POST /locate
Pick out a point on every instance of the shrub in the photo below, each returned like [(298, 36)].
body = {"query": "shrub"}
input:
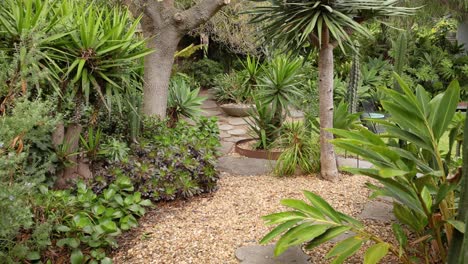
[(415, 177), (77, 224), (300, 150), (204, 71), (183, 101), (170, 162)]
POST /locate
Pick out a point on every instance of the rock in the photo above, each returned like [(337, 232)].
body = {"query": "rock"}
[(245, 166), (209, 104), (226, 147), (234, 139), (237, 132), (264, 255), (209, 113), (237, 121), (225, 127), (378, 210), (224, 135)]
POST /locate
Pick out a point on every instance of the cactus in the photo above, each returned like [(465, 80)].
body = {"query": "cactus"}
[(400, 48), (354, 78)]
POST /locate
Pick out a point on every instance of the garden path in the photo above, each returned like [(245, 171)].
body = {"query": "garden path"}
[(225, 226)]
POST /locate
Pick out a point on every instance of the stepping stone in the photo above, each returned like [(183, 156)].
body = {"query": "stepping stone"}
[(264, 255), (237, 121), (237, 132), (225, 127), (224, 135), (209, 104), (226, 147), (296, 113), (234, 139), (377, 210), (245, 166), (209, 113)]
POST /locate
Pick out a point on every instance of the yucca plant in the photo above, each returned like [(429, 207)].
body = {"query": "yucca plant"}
[(251, 71), (183, 101), (102, 52), (261, 125), (280, 85), (322, 24), (416, 179)]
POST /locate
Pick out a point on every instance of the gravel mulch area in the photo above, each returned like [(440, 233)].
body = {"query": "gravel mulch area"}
[(209, 228)]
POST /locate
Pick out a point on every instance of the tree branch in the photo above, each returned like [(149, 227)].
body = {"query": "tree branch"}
[(198, 14)]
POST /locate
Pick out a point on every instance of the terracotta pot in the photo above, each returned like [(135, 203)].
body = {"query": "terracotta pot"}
[(255, 153), (237, 110)]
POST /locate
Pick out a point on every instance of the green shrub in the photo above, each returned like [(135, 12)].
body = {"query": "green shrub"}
[(415, 177), (204, 71), (78, 224), (170, 162), (300, 150)]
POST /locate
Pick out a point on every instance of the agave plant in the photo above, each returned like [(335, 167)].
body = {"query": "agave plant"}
[(183, 101)]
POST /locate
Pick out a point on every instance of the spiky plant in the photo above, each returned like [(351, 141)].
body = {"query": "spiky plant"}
[(353, 85)]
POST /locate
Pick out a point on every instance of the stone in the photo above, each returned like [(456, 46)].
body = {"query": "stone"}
[(224, 135), (209, 104), (378, 210), (226, 147), (209, 113), (245, 166), (352, 162), (237, 121), (234, 139), (225, 127), (264, 255), (237, 132)]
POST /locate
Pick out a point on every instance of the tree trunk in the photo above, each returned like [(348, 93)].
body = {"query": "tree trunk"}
[(76, 168), (328, 166), (158, 68)]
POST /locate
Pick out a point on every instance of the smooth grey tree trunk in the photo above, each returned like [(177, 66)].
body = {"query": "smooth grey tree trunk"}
[(164, 25), (328, 168), (158, 67)]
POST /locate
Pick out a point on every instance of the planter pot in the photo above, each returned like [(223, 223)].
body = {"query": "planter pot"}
[(237, 110), (255, 153), (462, 106)]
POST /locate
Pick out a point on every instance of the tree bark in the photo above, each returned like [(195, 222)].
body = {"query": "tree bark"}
[(328, 169), (158, 68), (166, 25)]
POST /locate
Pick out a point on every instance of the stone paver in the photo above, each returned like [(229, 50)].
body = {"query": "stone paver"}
[(236, 121), (378, 210), (211, 112), (234, 139), (264, 255), (226, 147), (209, 104), (225, 127), (224, 135), (245, 166), (237, 132)]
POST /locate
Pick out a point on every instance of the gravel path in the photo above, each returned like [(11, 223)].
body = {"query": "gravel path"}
[(209, 228)]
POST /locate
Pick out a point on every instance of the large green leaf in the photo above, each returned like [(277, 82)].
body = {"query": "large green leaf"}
[(323, 206), (444, 110), (298, 235), (375, 253), (345, 249)]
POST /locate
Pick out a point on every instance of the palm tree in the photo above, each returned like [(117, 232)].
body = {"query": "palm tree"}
[(325, 24)]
